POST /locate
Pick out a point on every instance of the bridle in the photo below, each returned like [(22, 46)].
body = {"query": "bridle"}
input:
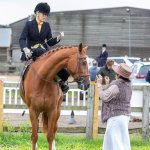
[(78, 74)]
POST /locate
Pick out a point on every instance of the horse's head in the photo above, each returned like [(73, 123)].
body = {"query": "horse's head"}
[(78, 67)]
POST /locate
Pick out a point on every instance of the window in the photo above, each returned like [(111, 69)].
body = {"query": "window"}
[(144, 70), (133, 60), (134, 70), (119, 61)]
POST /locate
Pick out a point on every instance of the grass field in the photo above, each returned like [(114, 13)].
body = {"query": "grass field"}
[(21, 141)]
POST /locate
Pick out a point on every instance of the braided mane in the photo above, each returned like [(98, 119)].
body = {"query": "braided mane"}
[(52, 51)]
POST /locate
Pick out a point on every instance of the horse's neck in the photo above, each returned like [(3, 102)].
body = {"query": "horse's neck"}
[(54, 63)]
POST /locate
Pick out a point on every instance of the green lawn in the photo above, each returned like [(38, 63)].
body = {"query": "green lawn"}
[(21, 141)]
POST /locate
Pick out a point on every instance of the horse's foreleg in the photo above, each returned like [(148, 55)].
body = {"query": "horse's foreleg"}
[(34, 123), (52, 119)]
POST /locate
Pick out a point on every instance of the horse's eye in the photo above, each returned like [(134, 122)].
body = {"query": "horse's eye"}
[(84, 62)]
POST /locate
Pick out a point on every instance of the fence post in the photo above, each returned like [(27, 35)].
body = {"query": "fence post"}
[(145, 113), (1, 105), (92, 112)]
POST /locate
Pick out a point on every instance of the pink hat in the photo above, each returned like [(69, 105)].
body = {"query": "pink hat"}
[(122, 69)]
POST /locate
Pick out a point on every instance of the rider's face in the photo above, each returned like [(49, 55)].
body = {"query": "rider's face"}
[(41, 16)]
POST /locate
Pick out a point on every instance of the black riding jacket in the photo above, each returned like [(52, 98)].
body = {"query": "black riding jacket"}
[(31, 35)]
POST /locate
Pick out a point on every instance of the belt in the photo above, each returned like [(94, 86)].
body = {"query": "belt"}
[(38, 46)]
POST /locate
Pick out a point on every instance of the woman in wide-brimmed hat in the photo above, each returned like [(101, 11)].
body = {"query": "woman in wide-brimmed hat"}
[(116, 99)]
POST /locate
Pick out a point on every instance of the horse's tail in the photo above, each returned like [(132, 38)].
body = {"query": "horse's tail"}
[(45, 122)]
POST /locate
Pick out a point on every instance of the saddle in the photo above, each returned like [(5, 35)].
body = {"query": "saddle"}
[(23, 74)]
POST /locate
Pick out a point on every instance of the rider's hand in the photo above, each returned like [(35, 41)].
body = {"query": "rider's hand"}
[(27, 52), (60, 36)]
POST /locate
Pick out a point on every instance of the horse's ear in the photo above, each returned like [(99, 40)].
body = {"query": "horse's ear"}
[(80, 47), (86, 47)]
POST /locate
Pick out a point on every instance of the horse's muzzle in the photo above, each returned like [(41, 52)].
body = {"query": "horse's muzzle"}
[(83, 87)]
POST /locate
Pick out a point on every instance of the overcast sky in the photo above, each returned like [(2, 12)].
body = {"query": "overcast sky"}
[(14, 10)]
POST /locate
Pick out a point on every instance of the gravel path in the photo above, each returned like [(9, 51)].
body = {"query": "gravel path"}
[(64, 121)]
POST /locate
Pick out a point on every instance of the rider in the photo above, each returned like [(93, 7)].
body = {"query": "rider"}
[(37, 36)]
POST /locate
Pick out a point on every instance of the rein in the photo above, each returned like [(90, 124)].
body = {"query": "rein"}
[(41, 78)]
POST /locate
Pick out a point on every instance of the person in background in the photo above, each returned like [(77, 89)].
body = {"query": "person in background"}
[(93, 70), (36, 38), (101, 59), (148, 76), (116, 98), (107, 71)]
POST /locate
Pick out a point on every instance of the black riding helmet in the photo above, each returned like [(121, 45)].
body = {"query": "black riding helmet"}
[(43, 8)]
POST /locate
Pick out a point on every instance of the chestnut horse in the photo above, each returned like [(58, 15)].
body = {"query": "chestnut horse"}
[(42, 93)]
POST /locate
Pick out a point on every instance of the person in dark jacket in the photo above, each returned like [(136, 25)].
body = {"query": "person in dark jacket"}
[(148, 76), (101, 59), (36, 37), (107, 71)]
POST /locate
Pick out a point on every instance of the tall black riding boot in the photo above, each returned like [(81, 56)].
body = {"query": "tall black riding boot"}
[(64, 87)]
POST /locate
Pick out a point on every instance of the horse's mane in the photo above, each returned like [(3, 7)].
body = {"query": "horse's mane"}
[(52, 51)]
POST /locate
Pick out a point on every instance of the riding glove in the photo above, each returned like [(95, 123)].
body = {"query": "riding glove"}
[(28, 53), (60, 36)]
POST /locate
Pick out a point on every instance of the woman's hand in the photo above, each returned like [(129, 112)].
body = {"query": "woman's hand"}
[(107, 80), (99, 79)]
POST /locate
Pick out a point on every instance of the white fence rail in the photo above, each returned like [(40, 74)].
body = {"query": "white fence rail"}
[(74, 97), (12, 96)]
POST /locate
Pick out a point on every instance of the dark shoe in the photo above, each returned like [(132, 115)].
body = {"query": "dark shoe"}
[(63, 86)]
